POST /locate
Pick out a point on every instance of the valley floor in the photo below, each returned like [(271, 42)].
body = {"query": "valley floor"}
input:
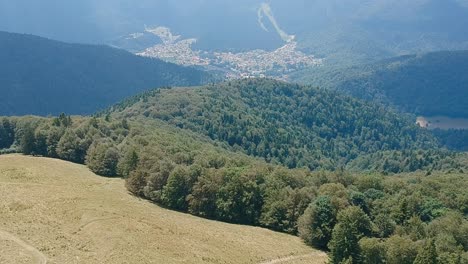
[(52, 211)]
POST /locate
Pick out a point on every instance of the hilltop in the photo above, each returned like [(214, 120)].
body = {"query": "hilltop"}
[(294, 125)]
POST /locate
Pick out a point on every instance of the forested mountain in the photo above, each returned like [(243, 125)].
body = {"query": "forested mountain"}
[(41, 76), (298, 126), (356, 178), (431, 84)]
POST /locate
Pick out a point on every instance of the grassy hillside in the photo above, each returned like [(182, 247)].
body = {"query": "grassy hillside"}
[(42, 77), (297, 126), (61, 212), (431, 84)]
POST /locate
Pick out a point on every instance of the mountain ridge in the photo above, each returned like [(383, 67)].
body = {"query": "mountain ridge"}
[(42, 76), (427, 84)]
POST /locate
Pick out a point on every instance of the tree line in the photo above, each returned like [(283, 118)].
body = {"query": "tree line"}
[(358, 217)]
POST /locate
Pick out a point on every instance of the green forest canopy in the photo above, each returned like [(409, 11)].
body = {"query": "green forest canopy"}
[(297, 126)]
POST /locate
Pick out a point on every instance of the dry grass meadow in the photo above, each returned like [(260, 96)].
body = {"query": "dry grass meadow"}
[(52, 211)]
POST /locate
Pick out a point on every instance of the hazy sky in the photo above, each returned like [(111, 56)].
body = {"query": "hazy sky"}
[(221, 23)]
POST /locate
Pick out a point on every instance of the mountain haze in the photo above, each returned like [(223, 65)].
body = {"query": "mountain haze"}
[(341, 31), (41, 76), (432, 84)]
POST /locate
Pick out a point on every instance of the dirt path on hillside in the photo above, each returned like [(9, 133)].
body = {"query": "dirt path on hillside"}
[(292, 258), (97, 220), (38, 256)]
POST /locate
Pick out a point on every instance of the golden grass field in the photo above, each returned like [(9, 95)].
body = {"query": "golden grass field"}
[(52, 211)]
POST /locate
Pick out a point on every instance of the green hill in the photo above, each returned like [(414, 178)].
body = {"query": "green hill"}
[(433, 84), (297, 126), (41, 76)]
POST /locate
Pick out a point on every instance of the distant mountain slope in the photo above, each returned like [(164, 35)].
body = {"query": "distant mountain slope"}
[(364, 31), (430, 84), (41, 76), (290, 124)]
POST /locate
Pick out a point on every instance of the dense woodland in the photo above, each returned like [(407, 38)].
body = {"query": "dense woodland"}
[(430, 84), (456, 139), (397, 204), (297, 126), (42, 77)]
